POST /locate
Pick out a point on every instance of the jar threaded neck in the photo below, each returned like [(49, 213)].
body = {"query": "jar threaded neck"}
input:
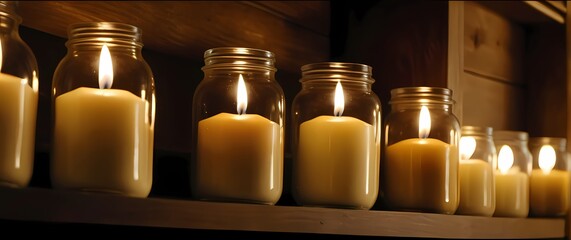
[(239, 58), (421, 96), (334, 71), (98, 33)]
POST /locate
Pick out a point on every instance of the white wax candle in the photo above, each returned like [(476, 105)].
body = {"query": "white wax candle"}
[(422, 175), (477, 189), (103, 141), (17, 130), (337, 163), (549, 193), (239, 158), (512, 193)]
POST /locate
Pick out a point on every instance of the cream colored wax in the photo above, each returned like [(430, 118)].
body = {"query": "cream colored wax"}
[(512, 194), (239, 158), (103, 142), (549, 193), (17, 130), (422, 175), (477, 190), (337, 163)]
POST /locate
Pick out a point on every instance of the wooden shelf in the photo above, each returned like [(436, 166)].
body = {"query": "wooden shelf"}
[(47, 205)]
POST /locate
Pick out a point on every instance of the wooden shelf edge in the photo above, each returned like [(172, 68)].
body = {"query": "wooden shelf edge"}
[(47, 205)]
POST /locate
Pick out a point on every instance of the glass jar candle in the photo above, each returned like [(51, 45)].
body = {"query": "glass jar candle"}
[(549, 179), (336, 137), (512, 174), (477, 159), (238, 126), (19, 100), (421, 157), (103, 112)]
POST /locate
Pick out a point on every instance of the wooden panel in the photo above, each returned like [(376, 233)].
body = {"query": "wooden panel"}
[(189, 28), (405, 43), (526, 12), (313, 15), (493, 46), (492, 103), (546, 78), (69, 207)]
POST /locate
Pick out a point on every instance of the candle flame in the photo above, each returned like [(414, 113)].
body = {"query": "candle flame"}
[(424, 122), (339, 100), (505, 159), (547, 158), (242, 96), (467, 147), (105, 68)]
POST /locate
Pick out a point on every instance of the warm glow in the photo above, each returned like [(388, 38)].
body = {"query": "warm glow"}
[(547, 158), (242, 96), (505, 159), (1, 55), (339, 100), (105, 68), (467, 147), (424, 122)]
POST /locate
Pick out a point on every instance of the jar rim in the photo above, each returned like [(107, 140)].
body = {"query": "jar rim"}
[(476, 130), (238, 51), (511, 135), (10, 9), (421, 95), (98, 32), (343, 71), (538, 141)]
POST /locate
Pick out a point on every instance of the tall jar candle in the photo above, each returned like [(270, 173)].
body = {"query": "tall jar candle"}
[(549, 179), (238, 128), (19, 100), (477, 181), (421, 158), (336, 137), (512, 173), (104, 112)]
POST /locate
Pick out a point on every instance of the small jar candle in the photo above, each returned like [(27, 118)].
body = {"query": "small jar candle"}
[(19, 100), (549, 180), (238, 126), (104, 112), (477, 185), (421, 157), (336, 137), (512, 174)]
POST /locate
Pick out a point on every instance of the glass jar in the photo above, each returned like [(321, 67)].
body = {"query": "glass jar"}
[(19, 98), (336, 137), (103, 99), (512, 174), (477, 159), (238, 126), (549, 179), (421, 158)]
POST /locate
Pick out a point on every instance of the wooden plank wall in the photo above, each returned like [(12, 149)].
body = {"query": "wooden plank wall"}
[(514, 71), (493, 85)]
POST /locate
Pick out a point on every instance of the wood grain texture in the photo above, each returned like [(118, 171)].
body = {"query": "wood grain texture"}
[(493, 46), (188, 28), (313, 15), (406, 43), (456, 56), (519, 11), (70, 207), (493, 103)]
